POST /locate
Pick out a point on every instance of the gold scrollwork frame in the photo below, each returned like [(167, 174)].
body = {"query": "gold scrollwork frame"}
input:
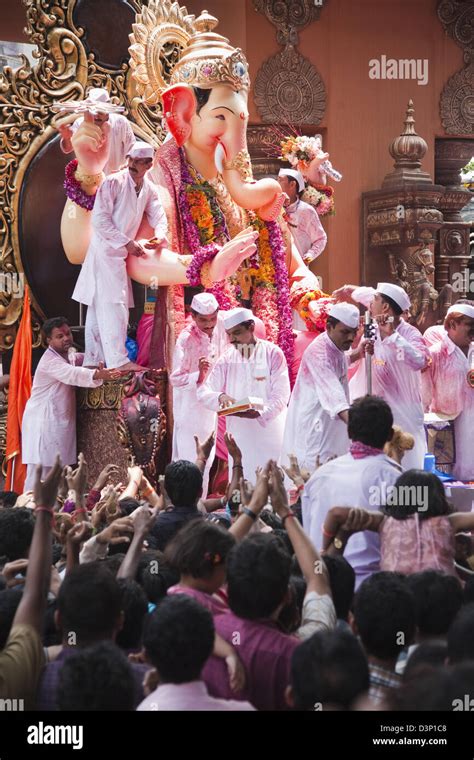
[(64, 71)]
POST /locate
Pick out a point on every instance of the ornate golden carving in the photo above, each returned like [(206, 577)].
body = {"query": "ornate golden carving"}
[(241, 163), (457, 98), (289, 17)]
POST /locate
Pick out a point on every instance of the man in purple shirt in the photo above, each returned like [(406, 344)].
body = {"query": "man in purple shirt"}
[(258, 573)]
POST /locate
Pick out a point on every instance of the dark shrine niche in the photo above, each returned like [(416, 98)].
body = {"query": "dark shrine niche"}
[(106, 25)]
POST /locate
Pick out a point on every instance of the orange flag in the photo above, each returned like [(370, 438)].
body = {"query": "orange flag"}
[(18, 394)]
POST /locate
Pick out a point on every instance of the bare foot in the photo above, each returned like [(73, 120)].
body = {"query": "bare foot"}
[(132, 367)]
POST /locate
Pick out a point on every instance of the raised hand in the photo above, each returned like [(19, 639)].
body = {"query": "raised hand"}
[(91, 145), (298, 476), (77, 479), (203, 450), (232, 447), (278, 495), (12, 569), (78, 533), (45, 492), (117, 532), (105, 476)]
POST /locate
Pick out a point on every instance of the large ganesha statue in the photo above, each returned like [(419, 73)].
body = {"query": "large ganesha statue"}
[(226, 230)]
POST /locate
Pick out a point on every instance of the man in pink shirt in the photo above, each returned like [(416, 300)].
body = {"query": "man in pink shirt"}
[(445, 385), (178, 639)]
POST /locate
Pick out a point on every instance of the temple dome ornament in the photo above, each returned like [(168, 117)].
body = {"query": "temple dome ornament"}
[(408, 150)]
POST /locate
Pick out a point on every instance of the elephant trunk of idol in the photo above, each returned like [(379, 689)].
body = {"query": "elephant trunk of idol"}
[(263, 196)]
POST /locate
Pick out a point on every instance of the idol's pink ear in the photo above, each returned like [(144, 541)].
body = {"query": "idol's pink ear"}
[(179, 106)]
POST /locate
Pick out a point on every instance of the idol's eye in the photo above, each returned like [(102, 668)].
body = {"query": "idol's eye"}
[(220, 116)]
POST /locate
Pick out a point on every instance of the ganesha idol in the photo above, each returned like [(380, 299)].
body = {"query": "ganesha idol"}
[(226, 230)]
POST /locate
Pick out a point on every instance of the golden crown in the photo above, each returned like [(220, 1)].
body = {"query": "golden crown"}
[(170, 46)]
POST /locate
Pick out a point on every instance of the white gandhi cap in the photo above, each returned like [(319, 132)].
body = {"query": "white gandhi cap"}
[(295, 174), (396, 293), (98, 95), (141, 150), (461, 308), (346, 313), (205, 304), (235, 317)]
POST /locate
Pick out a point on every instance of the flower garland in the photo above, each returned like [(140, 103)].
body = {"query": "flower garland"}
[(204, 229), (321, 197), (74, 190), (300, 301)]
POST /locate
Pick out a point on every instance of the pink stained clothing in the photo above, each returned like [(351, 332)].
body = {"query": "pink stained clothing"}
[(144, 333), (185, 697), (264, 375), (446, 391), (303, 339), (212, 603), (121, 139), (116, 218), (191, 417), (434, 335), (396, 377), (49, 420), (412, 545), (313, 427), (307, 231)]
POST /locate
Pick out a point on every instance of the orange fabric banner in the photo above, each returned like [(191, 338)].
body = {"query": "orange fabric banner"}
[(18, 394)]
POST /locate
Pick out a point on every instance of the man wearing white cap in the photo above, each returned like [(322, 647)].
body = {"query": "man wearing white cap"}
[(119, 131), (446, 387), (197, 349), (399, 356), (316, 425), (103, 283), (303, 220), (250, 367)]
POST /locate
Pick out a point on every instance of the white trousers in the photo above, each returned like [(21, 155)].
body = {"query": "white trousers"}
[(31, 476), (106, 333)]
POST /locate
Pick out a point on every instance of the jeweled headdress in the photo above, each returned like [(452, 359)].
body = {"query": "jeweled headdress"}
[(170, 46)]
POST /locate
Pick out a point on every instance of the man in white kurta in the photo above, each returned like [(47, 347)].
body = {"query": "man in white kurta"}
[(103, 283), (197, 349), (446, 389), (400, 355), (316, 423), (49, 419), (250, 367), (303, 220), (360, 478), (120, 134)]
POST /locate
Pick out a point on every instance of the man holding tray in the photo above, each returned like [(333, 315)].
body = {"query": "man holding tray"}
[(253, 375)]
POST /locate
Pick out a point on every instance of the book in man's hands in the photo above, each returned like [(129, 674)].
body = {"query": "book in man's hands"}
[(245, 405)]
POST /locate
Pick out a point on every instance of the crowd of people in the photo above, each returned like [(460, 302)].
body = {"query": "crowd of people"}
[(329, 573)]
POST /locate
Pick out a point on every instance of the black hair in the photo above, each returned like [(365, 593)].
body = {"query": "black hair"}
[(202, 96), (9, 600), (95, 679), (328, 668), (127, 506), (50, 324), (384, 612), (134, 607), (183, 483), (461, 636), (342, 580), (289, 618), (258, 572), (332, 322), (16, 532), (89, 603), (438, 599), (397, 310), (403, 503), (198, 547), (179, 638), (370, 421), (8, 499), (155, 575), (427, 656)]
